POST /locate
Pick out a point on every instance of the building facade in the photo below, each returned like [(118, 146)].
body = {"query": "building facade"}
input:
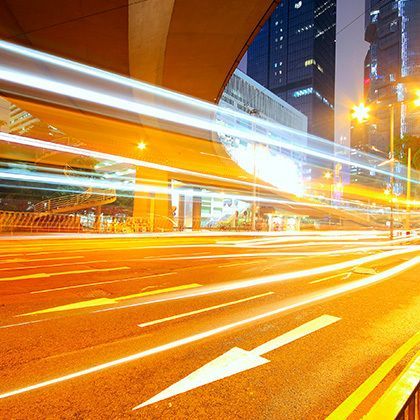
[(392, 69), (244, 94), (285, 169), (294, 57)]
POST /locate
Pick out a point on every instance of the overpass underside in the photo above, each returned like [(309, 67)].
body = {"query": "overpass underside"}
[(176, 158)]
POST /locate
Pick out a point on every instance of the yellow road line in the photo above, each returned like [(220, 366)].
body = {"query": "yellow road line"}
[(356, 398), (28, 267), (63, 273), (106, 301), (396, 396), (328, 278), (238, 264), (78, 286), (18, 260), (199, 311)]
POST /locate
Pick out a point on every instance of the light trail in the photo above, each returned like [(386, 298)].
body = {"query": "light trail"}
[(215, 331), (275, 278), (27, 141), (153, 111), (146, 188)]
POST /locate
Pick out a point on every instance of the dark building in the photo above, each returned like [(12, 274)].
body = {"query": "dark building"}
[(294, 57), (392, 68)]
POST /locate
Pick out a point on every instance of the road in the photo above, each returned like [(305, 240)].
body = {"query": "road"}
[(264, 327)]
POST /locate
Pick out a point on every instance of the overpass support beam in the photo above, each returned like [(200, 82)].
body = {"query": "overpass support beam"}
[(153, 199), (196, 213)]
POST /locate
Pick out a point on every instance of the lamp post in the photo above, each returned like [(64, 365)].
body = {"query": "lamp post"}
[(408, 196), (392, 167), (361, 113), (254, 190)]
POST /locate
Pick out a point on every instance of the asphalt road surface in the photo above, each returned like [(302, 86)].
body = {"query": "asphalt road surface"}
[(222, 326)]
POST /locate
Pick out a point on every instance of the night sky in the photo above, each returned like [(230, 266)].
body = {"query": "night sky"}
[(351, 51)]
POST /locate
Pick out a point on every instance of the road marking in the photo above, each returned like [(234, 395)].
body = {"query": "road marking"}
[(23, 323), (276, 278), (63, 273), (77, 286), (237, 264), (199, 311), (209, 333), (237, 360), (107, 301), (168, 256), (17, 260), (356, 398), (364, 270), (397, 395), (411, 248), (53, 265), (347, 275)]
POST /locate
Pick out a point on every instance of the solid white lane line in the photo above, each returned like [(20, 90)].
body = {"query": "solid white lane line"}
[(22, 260), (63, 273), (199, 311), (102, 282), (209, 333), (238, 264), (54, 265)]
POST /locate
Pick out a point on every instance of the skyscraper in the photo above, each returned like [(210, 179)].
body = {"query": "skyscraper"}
[(294, 57), (392, 68)]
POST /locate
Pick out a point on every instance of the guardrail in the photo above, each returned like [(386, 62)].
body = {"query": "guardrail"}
[(13, 222), (39, 222), (401, 400)]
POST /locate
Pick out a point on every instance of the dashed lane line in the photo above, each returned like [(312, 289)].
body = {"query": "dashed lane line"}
[(209, 333), (199, 311), (63, 273), (77, 286)]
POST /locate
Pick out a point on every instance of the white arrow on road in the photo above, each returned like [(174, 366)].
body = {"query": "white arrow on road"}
[(237, 360)]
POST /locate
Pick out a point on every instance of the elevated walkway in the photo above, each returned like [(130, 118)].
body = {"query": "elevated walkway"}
[(74, 202)]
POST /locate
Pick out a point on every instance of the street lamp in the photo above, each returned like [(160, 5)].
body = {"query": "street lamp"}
[(417, 100), (141, 145), (361, 112)]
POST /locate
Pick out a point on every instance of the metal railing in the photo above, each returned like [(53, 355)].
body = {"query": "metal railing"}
[(13, 222), (66, 203), (401, 401)]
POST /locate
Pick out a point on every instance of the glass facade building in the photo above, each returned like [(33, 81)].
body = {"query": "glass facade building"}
[(392, 68), (282, 168), (294, 57)]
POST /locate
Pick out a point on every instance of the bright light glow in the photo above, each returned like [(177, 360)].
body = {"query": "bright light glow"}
[(417, 100), (327, 175), (141, 145), (361, 113)]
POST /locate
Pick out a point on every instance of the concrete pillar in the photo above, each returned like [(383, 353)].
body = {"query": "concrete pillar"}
[(181, 212), (98, 212), (155, 207), (196, 213)]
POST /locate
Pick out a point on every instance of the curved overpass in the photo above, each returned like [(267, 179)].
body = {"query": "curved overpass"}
[(184, 45)]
